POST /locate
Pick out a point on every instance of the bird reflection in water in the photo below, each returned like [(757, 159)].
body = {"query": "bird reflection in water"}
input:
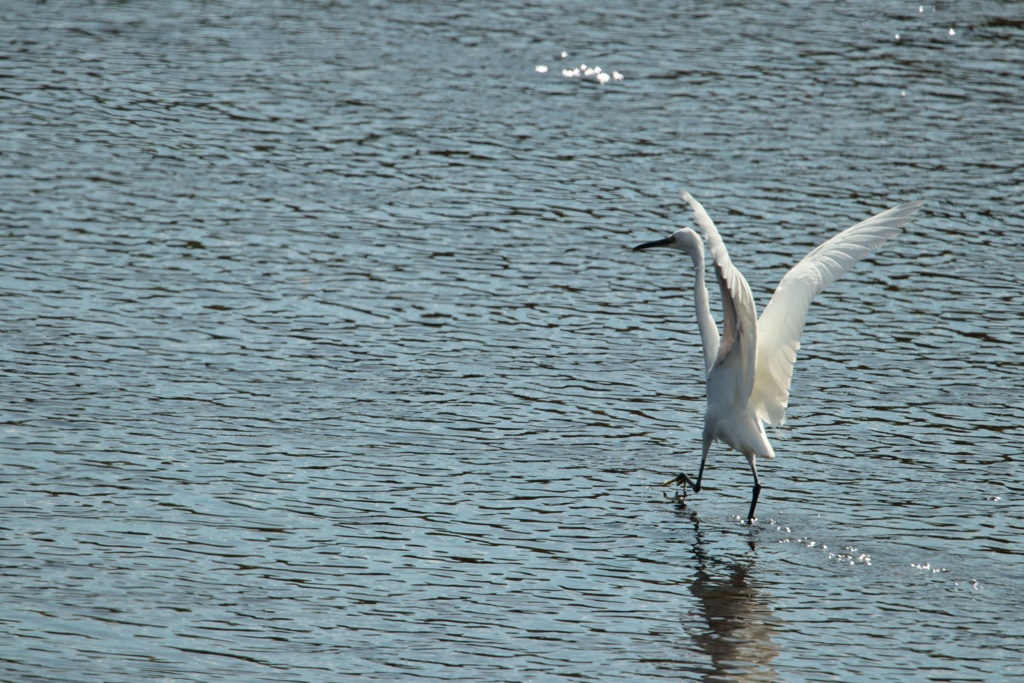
[(731, 623)]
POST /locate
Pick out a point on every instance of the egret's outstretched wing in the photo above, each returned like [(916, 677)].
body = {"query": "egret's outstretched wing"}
[(782, 321), (734, 366)]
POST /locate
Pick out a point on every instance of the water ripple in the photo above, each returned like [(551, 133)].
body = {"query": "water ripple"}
[(326, 356)]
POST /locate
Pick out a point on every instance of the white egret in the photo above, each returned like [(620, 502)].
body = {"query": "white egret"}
[(750, 368)]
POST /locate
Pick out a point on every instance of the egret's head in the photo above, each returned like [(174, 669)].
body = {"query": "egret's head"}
[(684, 240)]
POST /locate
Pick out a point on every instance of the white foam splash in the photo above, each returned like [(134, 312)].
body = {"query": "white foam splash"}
[(584, 71)]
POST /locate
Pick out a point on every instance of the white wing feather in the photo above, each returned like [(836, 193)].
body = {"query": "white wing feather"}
[(737, 352), (782, 321)]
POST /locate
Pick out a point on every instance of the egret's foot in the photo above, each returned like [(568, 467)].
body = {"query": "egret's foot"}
[(682, 479), (678, 498)]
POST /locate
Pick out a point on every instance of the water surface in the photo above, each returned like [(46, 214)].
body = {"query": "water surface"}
[(325, 355)]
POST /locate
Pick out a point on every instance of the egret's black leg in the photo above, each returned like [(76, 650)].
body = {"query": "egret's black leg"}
[(681, 478), (757, 491), (703, 458)]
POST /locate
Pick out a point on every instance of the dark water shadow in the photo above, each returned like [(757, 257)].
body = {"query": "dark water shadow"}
[(733, 621)]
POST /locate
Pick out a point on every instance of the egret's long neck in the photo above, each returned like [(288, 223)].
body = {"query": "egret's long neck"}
[(708, 329)]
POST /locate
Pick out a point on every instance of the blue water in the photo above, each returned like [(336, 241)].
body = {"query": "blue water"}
[(325, 355)]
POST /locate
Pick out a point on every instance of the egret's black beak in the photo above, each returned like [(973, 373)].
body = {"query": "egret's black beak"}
[(656, 243)]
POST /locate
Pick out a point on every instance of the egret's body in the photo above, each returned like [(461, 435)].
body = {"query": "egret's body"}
[(750, 365)]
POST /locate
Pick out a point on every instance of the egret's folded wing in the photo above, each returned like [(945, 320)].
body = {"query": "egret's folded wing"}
[(782, 321), (739, 338)]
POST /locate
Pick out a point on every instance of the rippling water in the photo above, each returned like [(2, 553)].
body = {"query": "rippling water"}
[(325, 356)]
